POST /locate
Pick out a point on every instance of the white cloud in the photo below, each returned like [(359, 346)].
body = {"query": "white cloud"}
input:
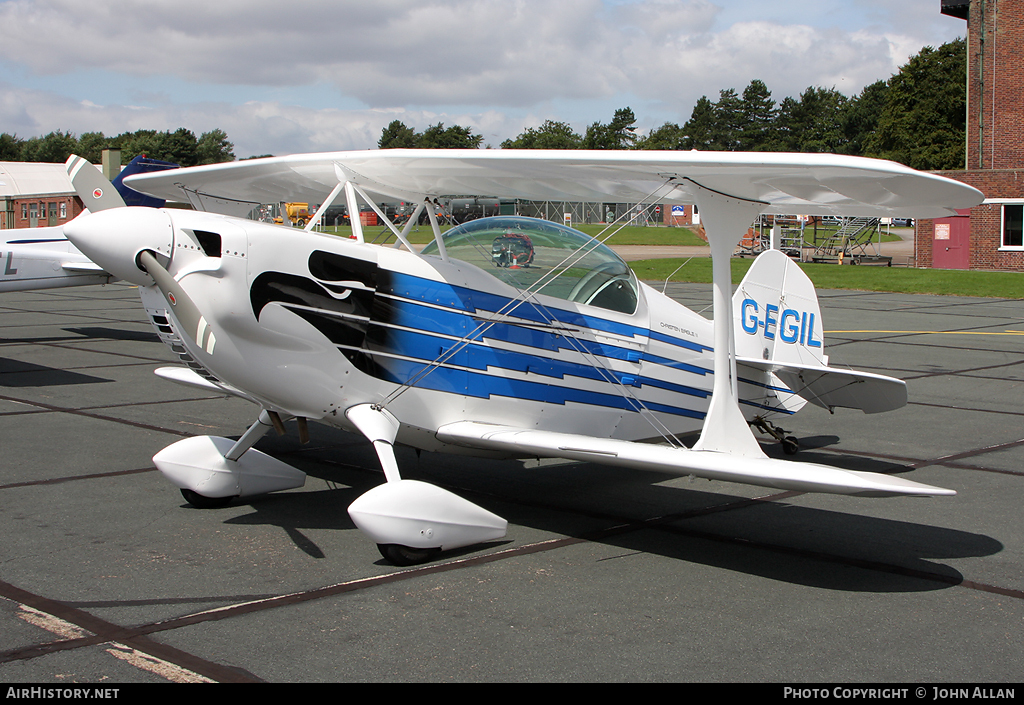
[(381, 52), (256, 127), (274, 79)]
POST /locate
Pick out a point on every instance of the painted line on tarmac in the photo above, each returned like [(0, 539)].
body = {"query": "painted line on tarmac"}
[(66, 631), (98, 632), (926, 332)]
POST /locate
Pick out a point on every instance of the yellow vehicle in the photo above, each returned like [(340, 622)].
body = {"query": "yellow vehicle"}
[(298, 214)]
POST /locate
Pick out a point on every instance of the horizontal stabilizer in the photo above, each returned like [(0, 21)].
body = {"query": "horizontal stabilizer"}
[(87, 267), (764, 472), (829, 387)]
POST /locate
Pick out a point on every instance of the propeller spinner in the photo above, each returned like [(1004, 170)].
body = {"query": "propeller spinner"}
[(114, 238)]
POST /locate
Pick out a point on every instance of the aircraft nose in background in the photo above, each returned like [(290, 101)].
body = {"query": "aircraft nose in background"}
[(114, 238)]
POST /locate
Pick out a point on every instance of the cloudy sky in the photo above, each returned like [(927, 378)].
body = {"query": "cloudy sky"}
[(308, 76)]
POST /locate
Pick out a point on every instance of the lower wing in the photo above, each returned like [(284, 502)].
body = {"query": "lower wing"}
[(765, 472)]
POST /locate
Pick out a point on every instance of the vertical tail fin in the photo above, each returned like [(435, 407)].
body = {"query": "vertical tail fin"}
[(141, 165), (98, 194), (777, 318)]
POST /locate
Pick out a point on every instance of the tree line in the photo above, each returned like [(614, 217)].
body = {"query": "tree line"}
[(398, 135), (917, 118), (181, 146)]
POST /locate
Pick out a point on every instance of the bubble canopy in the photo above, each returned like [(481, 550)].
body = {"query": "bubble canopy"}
[(527, 253)]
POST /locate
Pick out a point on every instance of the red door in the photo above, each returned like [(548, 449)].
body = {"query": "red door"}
[(951, 242)]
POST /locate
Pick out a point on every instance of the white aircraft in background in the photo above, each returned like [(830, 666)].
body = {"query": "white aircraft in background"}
[(506, 336), (42, 258)]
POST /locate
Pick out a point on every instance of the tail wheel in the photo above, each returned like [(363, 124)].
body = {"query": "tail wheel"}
[(790, 445)]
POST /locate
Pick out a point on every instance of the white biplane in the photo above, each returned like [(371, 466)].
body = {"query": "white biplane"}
[(505, 336)]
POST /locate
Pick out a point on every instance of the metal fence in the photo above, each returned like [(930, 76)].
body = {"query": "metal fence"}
[(577, 212)]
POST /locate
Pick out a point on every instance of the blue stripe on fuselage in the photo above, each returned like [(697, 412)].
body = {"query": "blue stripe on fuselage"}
[(421, 319), (473, 301), (485, 386), (423, 346)]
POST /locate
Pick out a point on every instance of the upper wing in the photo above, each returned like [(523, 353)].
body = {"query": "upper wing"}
[(766, 472), (786, 183)]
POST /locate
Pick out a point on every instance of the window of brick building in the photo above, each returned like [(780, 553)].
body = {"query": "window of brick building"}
[(1013, 226)]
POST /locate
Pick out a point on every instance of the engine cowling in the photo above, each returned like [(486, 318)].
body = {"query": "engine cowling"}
[(114, 238)]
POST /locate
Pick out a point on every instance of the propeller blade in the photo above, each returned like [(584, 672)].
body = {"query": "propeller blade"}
[(92, 187), (193, 323)]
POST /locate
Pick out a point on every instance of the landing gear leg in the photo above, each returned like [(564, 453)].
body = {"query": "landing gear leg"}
[(412, 521), (790, 444)]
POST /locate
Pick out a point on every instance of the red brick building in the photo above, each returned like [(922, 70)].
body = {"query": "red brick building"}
[(990, 236), (36, 195)]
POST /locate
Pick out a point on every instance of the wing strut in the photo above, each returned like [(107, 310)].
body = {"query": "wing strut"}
[(412, 220), (352, 194), (725, 220), (319, 215), (436, 229), (400, 234)]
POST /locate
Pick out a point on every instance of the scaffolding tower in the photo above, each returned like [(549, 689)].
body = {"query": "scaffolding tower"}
[(852, 243)]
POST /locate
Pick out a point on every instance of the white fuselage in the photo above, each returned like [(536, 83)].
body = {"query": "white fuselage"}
[(311, 325)]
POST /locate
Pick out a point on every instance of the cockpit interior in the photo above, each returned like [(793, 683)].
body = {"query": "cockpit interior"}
[(545, 258)]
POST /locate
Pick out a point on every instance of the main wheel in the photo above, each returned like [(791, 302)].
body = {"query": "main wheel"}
[(202, 502), (405, 555)]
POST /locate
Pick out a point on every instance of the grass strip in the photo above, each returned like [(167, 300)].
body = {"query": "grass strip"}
[(902, 280)]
